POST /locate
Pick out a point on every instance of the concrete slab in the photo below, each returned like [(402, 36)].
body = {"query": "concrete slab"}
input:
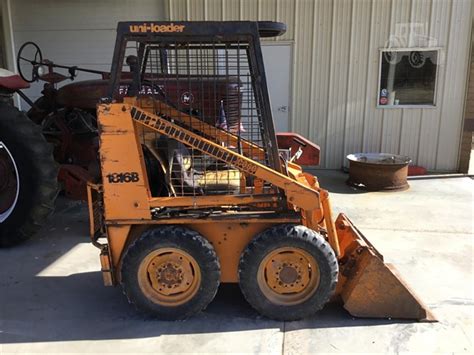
[(52, 299)]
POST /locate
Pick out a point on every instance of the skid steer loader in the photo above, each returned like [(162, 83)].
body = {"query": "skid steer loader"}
[(223, 200)]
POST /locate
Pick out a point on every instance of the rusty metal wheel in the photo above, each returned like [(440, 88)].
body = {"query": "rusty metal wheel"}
[(170, 272), (288, 272), (288, 276), (169, 276)]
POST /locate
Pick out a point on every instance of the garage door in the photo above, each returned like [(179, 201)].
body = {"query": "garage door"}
[(277, 58)]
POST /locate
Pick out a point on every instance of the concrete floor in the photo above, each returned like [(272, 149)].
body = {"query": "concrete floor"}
[(52, 299)]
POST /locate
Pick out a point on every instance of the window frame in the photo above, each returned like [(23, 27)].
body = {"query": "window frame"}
[(409, 49)]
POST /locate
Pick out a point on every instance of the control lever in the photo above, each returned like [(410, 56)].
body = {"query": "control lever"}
[(297, 155)]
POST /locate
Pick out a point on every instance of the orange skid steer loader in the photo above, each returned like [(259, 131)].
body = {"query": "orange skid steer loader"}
[(197, 189)]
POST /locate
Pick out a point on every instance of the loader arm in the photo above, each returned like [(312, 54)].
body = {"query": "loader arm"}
[(297, 193), (249, 149)]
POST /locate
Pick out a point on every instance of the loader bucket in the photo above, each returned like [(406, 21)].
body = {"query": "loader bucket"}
[(369, 287)]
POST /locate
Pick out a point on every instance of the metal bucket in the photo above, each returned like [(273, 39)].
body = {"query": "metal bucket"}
[(368, 286), (378, 171)]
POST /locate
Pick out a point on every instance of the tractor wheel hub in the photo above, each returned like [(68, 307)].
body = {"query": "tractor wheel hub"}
[(170, 275), (288, 275)]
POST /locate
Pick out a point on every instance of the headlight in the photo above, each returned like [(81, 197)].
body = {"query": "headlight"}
[(42, 69)]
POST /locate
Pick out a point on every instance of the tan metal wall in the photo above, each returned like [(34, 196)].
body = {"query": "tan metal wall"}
[(466, 155), (336, 68)]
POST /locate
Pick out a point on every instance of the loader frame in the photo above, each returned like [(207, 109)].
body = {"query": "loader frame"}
[(272, 191)]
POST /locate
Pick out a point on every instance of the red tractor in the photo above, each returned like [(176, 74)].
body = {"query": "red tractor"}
[(53, 143)]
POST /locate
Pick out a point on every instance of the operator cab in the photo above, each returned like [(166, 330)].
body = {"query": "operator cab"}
[(197, 82)]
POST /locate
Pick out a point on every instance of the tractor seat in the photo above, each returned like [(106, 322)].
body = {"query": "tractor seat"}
[(11, 81)]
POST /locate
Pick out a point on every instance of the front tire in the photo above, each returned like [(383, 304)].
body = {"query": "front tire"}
[(29, 172), (170, 272), (288, 272)]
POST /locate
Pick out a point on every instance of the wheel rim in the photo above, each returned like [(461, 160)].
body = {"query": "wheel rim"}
[(169, 276), (9, 183), (288, 276)]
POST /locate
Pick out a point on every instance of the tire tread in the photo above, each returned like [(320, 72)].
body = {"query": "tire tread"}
[(28, 137), (286, 235), (190, 241)]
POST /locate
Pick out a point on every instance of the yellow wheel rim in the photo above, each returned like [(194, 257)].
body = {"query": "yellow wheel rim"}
[(288, 276), (169, 276)]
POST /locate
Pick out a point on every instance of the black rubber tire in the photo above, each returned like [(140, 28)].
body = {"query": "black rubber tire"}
[(37, 171), (176, 237), (288, 235)]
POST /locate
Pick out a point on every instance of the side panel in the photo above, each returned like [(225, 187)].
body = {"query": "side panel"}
[(117, 238), (123, 172), (229, 240)]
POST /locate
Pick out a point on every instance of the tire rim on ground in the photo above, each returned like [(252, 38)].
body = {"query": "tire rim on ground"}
[(9, 183), (288, 276), (169, 276)]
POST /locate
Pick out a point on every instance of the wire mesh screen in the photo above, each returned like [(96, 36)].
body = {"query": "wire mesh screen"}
[(207, 88)]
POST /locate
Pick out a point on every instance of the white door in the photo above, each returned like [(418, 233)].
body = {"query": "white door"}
[(277, 59)]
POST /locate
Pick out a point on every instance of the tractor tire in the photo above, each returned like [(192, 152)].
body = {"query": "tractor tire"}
[(28, 158), (170, 272), (288, 272)]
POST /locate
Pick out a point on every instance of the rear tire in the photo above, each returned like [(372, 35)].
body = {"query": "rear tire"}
[(170, 272), (288, 272), (37, 173)]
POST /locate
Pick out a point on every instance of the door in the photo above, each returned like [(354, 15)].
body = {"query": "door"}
[(277, 60)]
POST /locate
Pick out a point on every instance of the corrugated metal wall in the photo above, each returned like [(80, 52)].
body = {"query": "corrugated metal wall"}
[(336, 70)]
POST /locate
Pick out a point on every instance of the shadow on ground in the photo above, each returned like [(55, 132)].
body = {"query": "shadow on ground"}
[(78, 307), (36, 308)]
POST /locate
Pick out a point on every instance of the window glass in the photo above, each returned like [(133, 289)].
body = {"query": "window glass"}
[(408, 77)]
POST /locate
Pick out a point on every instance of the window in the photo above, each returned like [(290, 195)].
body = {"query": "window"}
[(408, 78)]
